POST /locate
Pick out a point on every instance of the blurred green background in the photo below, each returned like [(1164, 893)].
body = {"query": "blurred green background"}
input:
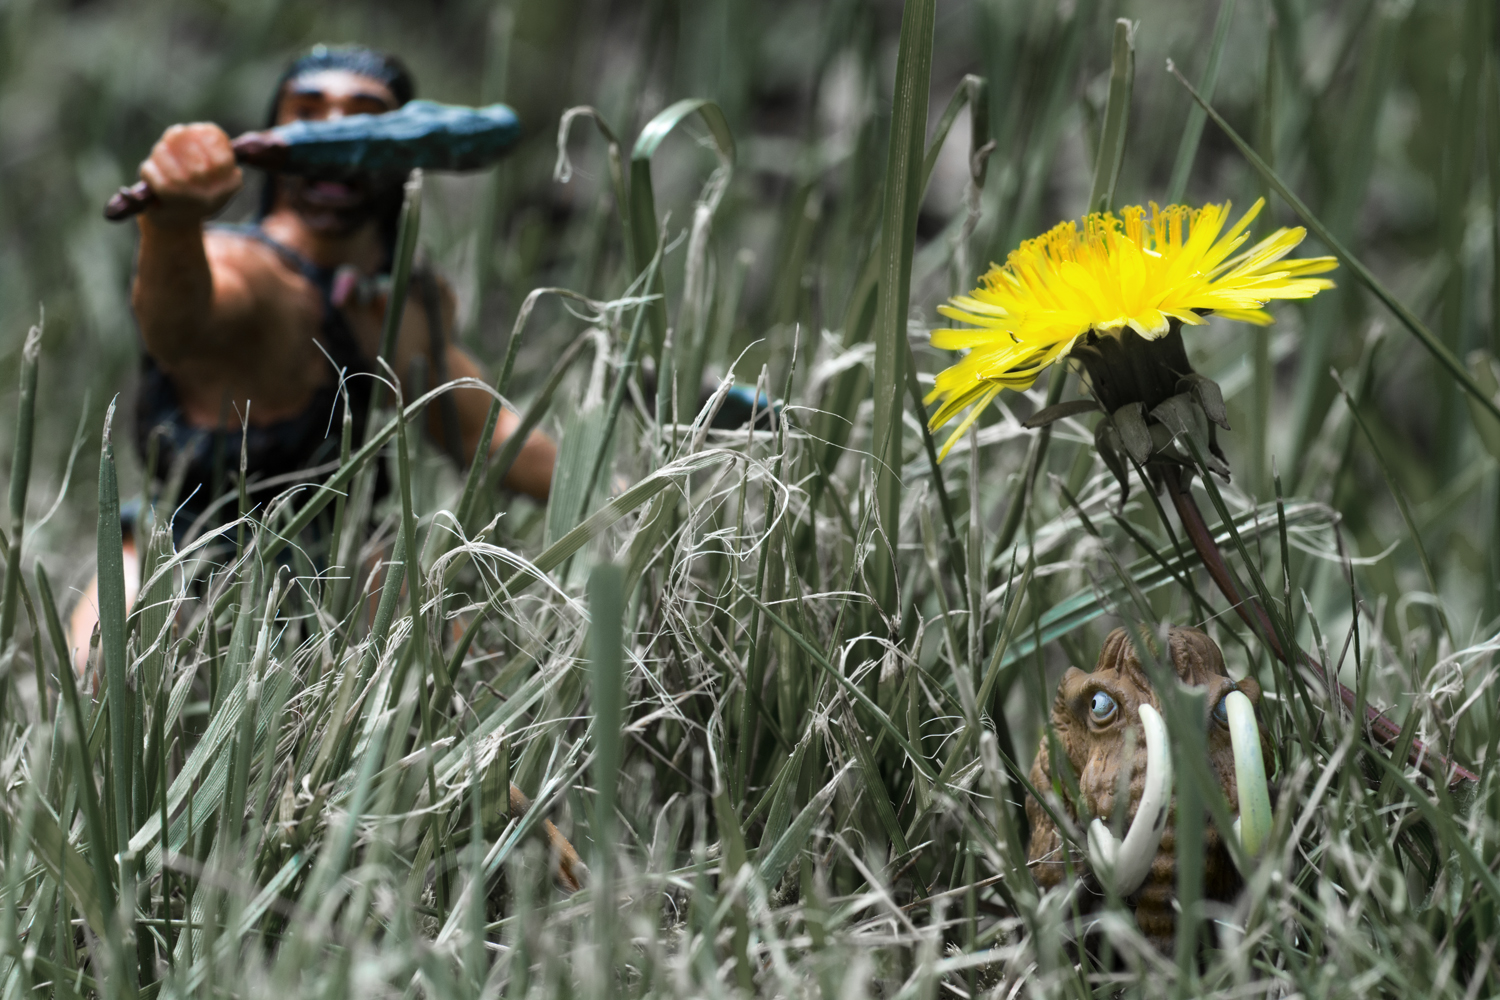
[(1381, 114)]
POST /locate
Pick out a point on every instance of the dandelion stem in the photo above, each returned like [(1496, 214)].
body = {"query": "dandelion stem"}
[(1385, 731)]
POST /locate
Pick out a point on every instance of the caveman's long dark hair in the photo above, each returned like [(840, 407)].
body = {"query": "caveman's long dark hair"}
[(364, 61)]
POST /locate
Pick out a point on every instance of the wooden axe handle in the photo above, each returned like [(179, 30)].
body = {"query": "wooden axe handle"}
[(255, 149)]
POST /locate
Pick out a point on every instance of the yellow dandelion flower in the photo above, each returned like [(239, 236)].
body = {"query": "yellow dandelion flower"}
[(1150, 271)]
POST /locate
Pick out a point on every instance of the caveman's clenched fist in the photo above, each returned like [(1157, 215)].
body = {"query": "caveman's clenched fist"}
[(192, 172)]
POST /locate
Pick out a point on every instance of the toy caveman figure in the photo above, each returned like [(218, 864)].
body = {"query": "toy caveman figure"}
[(255, 322)]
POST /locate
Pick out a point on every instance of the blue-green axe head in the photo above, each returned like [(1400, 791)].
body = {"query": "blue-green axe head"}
[(419, 134)]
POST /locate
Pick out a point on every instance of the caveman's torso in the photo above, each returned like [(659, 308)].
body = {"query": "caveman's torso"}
[(274, 358)]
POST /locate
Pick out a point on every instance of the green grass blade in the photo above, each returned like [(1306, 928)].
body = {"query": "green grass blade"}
[(334, 857), (998, 659), (1036, 457), (54, 622), (791, 843), (415, 584), (268, 897), (778, 799), (956, 556), (207, 750), (974, 93), (63, 862), (580, 447), (1347, 188), (607, 691), (1454, 835), (112, 653), (1487, 374), (1116, 118), (20, 477), (506, 456), (469, 500), (1399, 495), (99, 849), (898, 225), (644, 230), (1187, 150), (874, 785), (606, 443), (408, 227), (340, 506), (563, 171)]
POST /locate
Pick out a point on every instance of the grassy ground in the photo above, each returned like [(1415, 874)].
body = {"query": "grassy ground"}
[(744, 672)]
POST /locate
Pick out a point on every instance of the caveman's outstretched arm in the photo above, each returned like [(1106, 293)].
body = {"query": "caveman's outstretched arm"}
[(184, 303)]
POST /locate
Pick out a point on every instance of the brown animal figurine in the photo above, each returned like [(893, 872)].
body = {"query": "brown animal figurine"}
[(1090, 716)]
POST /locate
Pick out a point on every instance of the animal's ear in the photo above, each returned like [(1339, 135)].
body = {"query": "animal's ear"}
[(1114, 652), (1251, 689), (1196, 658)]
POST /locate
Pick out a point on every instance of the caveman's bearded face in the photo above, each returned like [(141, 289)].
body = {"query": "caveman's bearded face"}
[(331, 207)]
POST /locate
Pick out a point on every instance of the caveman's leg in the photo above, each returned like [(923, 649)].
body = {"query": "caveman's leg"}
[(85, 617)]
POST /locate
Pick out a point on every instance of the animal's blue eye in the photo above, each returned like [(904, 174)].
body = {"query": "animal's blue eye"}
[(1221, 710), (1102, 707)]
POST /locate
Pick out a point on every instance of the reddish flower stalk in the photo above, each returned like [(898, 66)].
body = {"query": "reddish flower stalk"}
[(1382, 729)]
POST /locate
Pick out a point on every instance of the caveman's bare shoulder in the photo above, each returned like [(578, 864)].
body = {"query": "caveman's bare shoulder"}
[(240, 251), (253, 274)]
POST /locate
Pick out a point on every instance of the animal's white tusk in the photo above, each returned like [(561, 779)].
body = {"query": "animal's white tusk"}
[(1126, 865), (1254, 824)]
